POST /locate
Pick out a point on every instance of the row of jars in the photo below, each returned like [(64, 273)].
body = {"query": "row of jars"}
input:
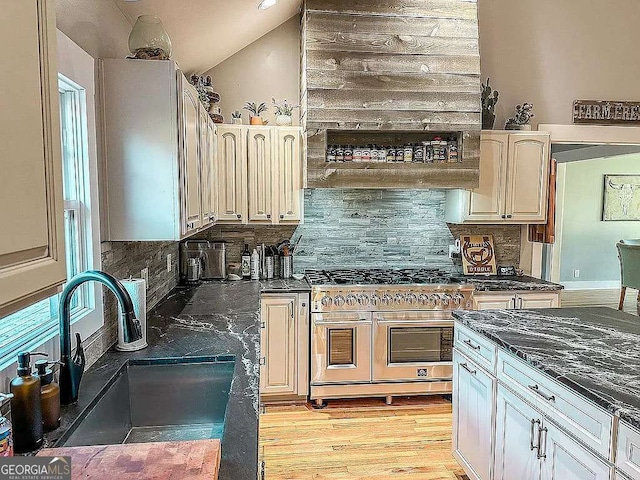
[(432, 151)]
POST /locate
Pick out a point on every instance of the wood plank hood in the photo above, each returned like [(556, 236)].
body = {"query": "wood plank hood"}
[(392, 67)]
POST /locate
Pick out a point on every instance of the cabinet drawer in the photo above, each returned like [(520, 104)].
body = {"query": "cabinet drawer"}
[(587, 422), (628, 451), (476, 347)]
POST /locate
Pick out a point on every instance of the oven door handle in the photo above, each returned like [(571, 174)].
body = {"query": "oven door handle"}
[(353, 323), (414, 323)]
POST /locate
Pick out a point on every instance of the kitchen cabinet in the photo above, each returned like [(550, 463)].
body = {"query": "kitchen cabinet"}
[(514, 181), (32, 257), (156, 151), (628, 451), (473, 401), (516, 300), (208, 182), (259, 174), (284, 346)]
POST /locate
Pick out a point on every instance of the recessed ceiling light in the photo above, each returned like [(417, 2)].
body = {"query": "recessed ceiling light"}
[(264, 4)]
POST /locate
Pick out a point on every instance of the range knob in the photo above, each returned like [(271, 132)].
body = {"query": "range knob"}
[(363, 300), (352, 300), (423, 298), (434, 300), (411, 298), (445, 299), (338, 301), (398, 298), (387, 299), (326, 301), (458, 299)]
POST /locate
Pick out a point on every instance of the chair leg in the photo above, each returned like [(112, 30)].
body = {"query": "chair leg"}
[(623, 291)]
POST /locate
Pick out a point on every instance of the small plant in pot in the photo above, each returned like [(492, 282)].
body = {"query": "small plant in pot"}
[(255, 110), (236, 118), (522, 119), (284, 112), (489, 101)]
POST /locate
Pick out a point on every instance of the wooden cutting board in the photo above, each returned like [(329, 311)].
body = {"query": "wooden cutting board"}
[(194, 460)]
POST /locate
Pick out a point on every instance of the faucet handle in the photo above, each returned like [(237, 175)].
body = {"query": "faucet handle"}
[(79, 358)]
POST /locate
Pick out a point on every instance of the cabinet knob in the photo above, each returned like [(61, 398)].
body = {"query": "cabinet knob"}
[(212, 218), (191, 225), (268, 215), (239, 216), (509, 216), (503, 216), (281, 217)]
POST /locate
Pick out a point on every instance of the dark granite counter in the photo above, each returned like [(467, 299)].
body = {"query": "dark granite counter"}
[(508, 283), (210, 319), (593, 350)]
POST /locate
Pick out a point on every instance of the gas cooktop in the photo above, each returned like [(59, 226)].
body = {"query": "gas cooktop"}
[(380, 276)]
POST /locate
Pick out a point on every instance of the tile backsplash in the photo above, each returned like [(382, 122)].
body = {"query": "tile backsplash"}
[(370, 228)]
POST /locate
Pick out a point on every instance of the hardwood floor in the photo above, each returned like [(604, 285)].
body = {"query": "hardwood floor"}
[(360, 439)]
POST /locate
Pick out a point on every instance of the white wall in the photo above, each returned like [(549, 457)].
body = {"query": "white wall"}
[(587, 243), (269, 67), (552, 52)]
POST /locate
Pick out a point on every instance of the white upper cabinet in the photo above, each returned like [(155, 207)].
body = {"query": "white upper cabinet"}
[(514, 181), (156, 154), (32, 259), (288, 178), (231, 171), (260, 174), (208, 182)]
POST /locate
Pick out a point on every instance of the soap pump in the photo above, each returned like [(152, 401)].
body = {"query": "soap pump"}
[(49, 396), (26, 409)]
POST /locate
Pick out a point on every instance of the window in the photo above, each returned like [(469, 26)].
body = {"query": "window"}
[(37, 325)]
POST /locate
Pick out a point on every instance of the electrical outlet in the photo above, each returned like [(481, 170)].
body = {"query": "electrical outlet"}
[(144, 274), (576, 274), (169, 266)]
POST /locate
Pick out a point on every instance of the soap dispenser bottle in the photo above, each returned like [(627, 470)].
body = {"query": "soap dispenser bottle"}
[(49, 396), (26, 409)]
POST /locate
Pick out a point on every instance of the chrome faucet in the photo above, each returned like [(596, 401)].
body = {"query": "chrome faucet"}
[(71, 369)]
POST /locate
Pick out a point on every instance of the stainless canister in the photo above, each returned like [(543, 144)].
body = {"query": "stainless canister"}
[(193, 270), (286, 266)]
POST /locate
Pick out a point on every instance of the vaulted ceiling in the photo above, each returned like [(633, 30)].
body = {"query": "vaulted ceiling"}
[(206, 32)]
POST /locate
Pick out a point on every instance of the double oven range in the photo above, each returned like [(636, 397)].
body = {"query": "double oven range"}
[(382, 333)]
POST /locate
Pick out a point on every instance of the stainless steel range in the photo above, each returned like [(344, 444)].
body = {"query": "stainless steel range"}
[(379, 332)]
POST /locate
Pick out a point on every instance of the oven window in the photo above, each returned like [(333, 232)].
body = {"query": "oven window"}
[(420, 344), (341, 351)]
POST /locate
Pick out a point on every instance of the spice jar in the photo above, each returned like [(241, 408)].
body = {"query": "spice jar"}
[(331, 153), (408, 153), (366, 154), (339, 154), (418, 153), (399, 154), (391, 154), (357, 154), (452, 146), (428, 152), (348, 153)]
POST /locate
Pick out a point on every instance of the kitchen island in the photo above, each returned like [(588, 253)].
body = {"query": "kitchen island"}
[(210, 319), (552, 392)]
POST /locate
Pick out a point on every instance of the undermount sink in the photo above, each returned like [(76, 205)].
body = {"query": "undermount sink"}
[(158, 400)]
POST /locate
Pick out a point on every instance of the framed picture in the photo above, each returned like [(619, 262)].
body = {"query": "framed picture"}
[(621, 198)]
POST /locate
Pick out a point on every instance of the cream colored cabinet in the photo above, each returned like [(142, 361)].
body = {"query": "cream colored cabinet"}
[(156, 156), (259, 174), (260, 167), (32, 259), (514, 181), (208, 183), (231, 170), (284, 345), (516, 300)]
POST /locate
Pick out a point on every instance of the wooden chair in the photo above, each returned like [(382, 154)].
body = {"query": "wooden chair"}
[(629, 255)]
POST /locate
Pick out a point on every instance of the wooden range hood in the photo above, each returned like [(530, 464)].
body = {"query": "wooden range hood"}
[(390, 71)]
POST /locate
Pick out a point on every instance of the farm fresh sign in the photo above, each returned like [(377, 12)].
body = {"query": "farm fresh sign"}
[(603, 112)]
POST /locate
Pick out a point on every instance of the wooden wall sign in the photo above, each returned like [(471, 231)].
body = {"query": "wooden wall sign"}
[(603, 112), (478, 254)]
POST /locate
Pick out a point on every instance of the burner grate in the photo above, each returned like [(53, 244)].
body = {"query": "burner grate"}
[(378, 276)]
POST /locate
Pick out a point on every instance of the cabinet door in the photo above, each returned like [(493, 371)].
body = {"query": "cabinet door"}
[(565, 459), (32, 260), (494, 301), (190, 157), (538, 300), (260, 174), (516, 438), (288, 180), (487, 202), (278, 345), (473, 402), (207, 179), (231, 172), (528, 177)]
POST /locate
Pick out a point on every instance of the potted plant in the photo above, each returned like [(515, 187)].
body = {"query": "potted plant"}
[(284, 111), (489, 101), (522, 119), (255, 110), (236, 118)]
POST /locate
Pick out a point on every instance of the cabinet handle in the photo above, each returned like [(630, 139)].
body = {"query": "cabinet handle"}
[(263, 360), (281, 217), (503, 216), (536, 389), (534, 422), (542, 450), (520, 303), (212, 218), (468, 342), (268, 215), (466, 367), (513, 302), (509, 216), (239, 216), (190, 225)]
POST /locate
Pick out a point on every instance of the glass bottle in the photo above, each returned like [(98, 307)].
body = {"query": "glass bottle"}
[(149, 39)]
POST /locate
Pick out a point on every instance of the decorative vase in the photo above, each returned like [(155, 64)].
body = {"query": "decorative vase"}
[(526, 127), (284, 120), (236, 121), (149, 40), (488, 119), (255, 120)]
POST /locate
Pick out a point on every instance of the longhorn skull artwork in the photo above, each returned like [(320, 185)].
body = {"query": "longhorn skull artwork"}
[(622, 197)]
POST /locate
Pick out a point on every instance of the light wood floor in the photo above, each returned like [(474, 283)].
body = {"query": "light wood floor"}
[(362, 439)]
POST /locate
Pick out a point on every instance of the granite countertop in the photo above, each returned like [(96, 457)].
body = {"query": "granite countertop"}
[(209, 319), (507, 283), (595, 351)]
